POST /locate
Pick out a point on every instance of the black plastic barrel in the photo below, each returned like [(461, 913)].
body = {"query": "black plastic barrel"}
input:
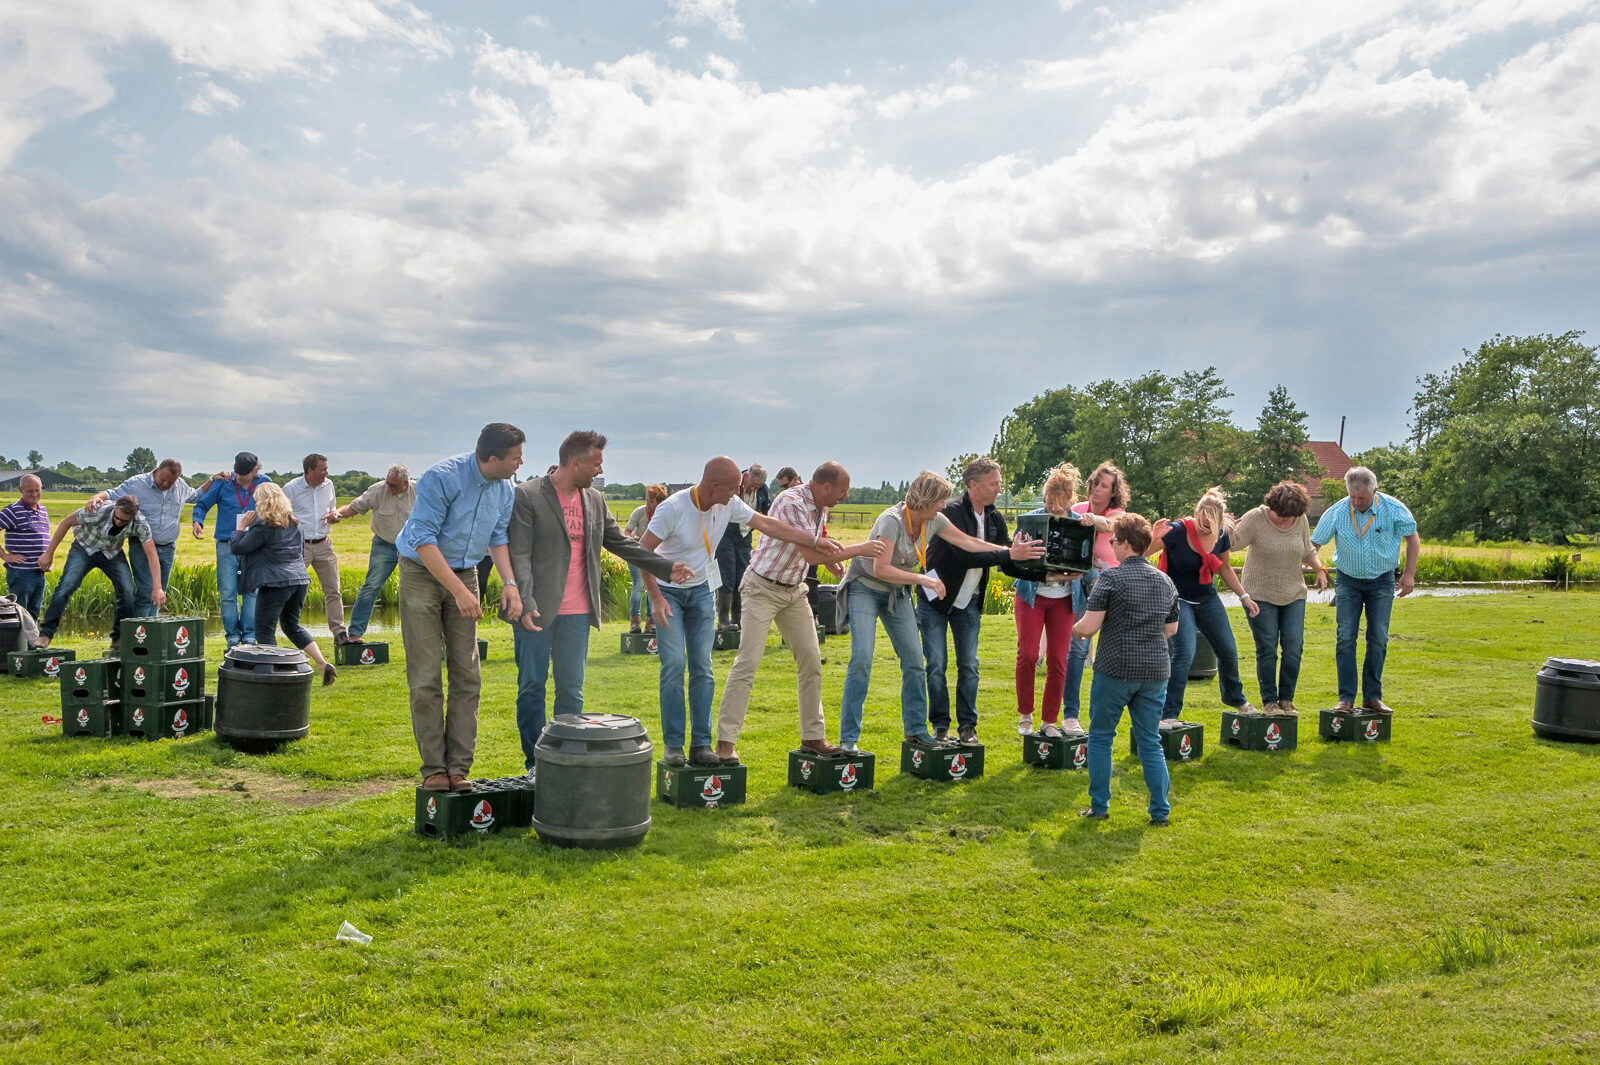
[(263, 697), (1203, 666), (594, 781), (1566, 700)]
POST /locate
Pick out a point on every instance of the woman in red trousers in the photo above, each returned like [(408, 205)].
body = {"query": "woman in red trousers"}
[(1046, 606)]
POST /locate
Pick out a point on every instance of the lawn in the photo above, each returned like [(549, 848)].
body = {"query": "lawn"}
[(1430, 900)]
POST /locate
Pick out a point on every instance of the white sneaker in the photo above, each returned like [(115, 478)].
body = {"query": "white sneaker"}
[(1025, 725), (1072, 727), (851, 747)]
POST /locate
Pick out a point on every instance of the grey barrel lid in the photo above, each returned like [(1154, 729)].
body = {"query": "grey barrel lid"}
[(262, 658)]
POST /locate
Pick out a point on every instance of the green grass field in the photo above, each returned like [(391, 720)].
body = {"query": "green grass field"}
[(1431, 900)]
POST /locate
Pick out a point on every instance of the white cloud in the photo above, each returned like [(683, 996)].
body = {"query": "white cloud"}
[(722, 14), (209, 97), (679, 42), (310, 136), (924, 99)]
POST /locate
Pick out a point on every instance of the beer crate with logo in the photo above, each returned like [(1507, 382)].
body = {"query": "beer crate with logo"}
[(208, 711), (361, 654), (700, 786), (491, 806), (33, 665), (639, 643), (103, 718), (948, 764), (725, 640), (144, 639), (155, 720), (167, 680), (1358, 726), (1183, 741), (91, 680), (1255, 731), (824, 775), (1055, 752)]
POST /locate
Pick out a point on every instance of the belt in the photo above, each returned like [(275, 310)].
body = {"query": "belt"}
[(780, 584), (318, 540)]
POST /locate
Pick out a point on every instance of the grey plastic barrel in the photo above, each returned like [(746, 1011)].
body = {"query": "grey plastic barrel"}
[(263, 697), (594, 781), (1566, 700), (1204, 664)]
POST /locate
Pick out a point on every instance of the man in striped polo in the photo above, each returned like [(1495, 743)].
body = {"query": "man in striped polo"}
[(774, 589), (27, 530)]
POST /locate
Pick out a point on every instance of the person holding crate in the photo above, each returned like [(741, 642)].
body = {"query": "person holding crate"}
[(1046, 607)]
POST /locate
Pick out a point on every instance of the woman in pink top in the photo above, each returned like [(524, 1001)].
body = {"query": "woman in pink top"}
[(1108, 494)]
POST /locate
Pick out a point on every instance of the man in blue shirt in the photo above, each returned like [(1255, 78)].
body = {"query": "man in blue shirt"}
[(232, 496), (462, 511), (162, 495), (1366, 529)]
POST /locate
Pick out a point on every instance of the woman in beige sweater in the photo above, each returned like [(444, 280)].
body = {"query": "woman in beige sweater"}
[(1279, 541)]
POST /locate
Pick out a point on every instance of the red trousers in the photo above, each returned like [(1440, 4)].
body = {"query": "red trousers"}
[(1053, 617)]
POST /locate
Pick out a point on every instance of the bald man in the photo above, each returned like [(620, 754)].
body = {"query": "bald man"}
[(686, 528), (27, 532)]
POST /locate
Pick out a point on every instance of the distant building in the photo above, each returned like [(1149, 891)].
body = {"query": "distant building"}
[(1335, 464), (10, 480)]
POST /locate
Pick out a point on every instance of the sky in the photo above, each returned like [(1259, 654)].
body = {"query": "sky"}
[(783, 230)]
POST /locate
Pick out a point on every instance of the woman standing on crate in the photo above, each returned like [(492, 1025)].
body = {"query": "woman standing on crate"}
[(272, 564), (1193, 551), (1046, 606), (1279, 539)]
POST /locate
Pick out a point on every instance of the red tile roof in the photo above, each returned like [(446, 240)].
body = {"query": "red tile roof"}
[(1331, 457)]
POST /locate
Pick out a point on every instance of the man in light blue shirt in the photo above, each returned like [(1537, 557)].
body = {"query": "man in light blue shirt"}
[(1367, 528), (462, 511), (162, 495)]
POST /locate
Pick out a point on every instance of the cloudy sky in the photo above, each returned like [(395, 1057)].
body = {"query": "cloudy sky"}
[(782, 229)]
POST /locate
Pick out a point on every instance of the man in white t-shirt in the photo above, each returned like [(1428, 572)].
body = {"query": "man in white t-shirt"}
[(315, 508), (686, 528)]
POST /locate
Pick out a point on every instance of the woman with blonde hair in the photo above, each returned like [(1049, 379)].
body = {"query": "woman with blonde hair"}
[(879, 589), (1193, 551), (272, 564), (1046, 606)]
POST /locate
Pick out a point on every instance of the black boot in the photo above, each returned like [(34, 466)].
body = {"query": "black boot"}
[(724, 597)]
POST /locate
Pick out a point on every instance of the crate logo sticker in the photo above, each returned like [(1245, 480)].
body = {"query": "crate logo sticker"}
[(482, 815), (916, 759), (367, 656), (138, 675), (1372, 730), (1044, 749), (1185, 746), (1236, 726), (1080, 755), (1274, 735), (181, 639), (180, 681), (958, 767), (52, 666), (433, 807), (81, 676), (180, 721), (712, 792), (83, 717), (138, 716), (847, 779), (805, 769), (1336, 724), (138, 634), (651, 646)]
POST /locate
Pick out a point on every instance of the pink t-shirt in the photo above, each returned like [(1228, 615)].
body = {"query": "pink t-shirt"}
[(1103, 551), (575, 600)]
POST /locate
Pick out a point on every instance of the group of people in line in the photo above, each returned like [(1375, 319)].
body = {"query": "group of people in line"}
[(922, 573)]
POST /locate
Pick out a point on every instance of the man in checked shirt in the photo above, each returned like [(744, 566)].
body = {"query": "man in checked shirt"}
[(774, 589)]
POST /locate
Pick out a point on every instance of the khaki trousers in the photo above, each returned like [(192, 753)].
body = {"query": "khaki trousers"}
[(321, 558), (434, 633), (765, 602)]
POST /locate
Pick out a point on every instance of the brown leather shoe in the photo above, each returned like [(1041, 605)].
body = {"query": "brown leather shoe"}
[(437, 782), (1345, 706), (1377, 706), (821, 747), (459, 783)]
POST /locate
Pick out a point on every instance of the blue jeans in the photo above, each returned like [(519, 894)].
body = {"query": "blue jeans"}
[(637, 598), (143, 605), (867, 607), (684, 641), (1351, 595), (381, 562), (1143, 699), (280, 606), (1211, 618), (238, 611), (963, 626), (1277, 626), (1078, 653), (28, 586), (79, 563), (566, 640)]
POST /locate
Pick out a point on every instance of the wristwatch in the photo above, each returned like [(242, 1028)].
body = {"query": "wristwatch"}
[(509, 582)]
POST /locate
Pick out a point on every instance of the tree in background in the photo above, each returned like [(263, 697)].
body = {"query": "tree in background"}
[(1279, 451), (35, 460), (1510, 440), (9, 464), (139, 460), (957, 464), (1399, 471), (1036, 435)]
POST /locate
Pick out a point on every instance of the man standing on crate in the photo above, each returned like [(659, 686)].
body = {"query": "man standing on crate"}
[(966, 581), (162, 495), (462, 511), (316, 509), (232, 496), (1367, 529), (27, 528), (774, 589), (558, 526), (733, 550), (390, 501), (97, 544)]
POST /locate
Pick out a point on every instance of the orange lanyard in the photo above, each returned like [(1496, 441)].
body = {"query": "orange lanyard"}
[(1370, 519), (921, 545), (694, 497)]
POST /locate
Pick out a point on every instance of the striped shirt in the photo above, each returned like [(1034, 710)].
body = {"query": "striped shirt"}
[(777, 560), (98, 531), (1366, 543), (27, 532)]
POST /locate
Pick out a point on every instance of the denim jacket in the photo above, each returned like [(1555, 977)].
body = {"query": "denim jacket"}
[(1028, 590)]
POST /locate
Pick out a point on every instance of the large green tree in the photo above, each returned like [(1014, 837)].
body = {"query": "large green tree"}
[(139, 460), (1510, 439), (1279, 451)]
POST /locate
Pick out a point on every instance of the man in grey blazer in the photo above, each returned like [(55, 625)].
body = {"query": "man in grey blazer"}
[(559, 523)]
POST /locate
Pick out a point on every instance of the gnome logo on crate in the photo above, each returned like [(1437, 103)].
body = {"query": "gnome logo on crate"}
[(1185, 746), (180, 722), (83, 717), (138, 634), (138, 676), (847, 779), (1274, 734), (1044, 749), (1080, 755), (180, 682), (916, 759), (1336, 724), (1236, 725), (651, 646), (482, 816), (805, 770), (1372, 730), (366, 656), (52, 666), (712, 792), (666, 779), (433, 807), (180, 640), (138, 717), (81, 676), (958, 767)]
